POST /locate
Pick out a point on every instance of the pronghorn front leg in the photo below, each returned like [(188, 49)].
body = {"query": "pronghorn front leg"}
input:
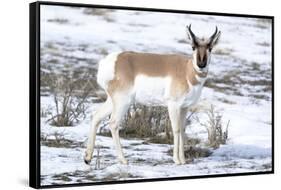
[(182, 135), (175, 117)]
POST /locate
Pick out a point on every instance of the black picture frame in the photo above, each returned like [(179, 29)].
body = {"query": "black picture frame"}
[(34, 92)]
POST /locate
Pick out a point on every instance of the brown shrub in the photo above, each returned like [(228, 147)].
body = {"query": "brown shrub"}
[(216, 134)]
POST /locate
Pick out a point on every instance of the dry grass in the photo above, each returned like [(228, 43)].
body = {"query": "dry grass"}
[(103, 13), (160, 140), (59, 20), (144, 122), (222, 51), (217, 133), (254, 79), (119, 175), (97, 12), (59, 141), (149, 123), (264, 44), (183, 41), (70, 93), (263, 23), (227, 101), (62, 177)]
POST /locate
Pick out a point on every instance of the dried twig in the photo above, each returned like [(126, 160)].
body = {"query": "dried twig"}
[(214, 126)]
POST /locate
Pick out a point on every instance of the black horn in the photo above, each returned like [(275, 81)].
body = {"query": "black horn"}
[(192, 35), (190, 32), (213, 35)]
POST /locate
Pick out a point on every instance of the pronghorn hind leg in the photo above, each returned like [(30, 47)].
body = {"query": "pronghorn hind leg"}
[(98, 116), (116, 140), (121, 104)]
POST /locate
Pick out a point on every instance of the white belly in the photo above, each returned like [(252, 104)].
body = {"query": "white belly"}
[(156, 91), (151, 90)]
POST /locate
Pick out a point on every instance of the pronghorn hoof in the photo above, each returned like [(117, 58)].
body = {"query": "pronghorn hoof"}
[(87, 161), (182, 162), (177, 162), (124, 161)]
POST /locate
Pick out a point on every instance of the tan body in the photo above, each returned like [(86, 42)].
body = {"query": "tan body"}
[(178, 68), (176, 80)]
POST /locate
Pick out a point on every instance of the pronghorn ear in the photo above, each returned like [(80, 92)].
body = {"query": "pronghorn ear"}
[(191, 37), (214, 41)]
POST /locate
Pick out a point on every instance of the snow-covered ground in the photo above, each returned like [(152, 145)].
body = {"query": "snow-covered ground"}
[(239, 86)]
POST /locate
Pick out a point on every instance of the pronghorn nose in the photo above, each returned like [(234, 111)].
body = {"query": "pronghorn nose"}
[(202, 64), (202, 61)]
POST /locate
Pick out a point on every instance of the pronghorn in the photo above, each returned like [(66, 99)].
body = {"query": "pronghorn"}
[(172, 80)]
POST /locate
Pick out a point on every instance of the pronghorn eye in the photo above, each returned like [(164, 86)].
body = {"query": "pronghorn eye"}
[(193, 48), (210, 49)]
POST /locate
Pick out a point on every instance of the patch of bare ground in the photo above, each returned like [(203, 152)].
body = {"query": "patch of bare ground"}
[(193, 152), (58, 140), (59, 20), (254, 80), (105, 14)]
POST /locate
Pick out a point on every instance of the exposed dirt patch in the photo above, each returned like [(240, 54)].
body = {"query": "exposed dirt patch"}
[(192, 152)]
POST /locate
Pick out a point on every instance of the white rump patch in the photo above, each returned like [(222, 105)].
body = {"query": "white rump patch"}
[(106, 69)]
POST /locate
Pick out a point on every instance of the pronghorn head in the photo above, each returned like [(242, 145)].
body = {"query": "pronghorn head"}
[(202, 47)]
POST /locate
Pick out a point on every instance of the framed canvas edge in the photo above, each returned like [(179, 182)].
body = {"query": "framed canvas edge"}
[(153, 9), (34, 93), (273, 96)]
